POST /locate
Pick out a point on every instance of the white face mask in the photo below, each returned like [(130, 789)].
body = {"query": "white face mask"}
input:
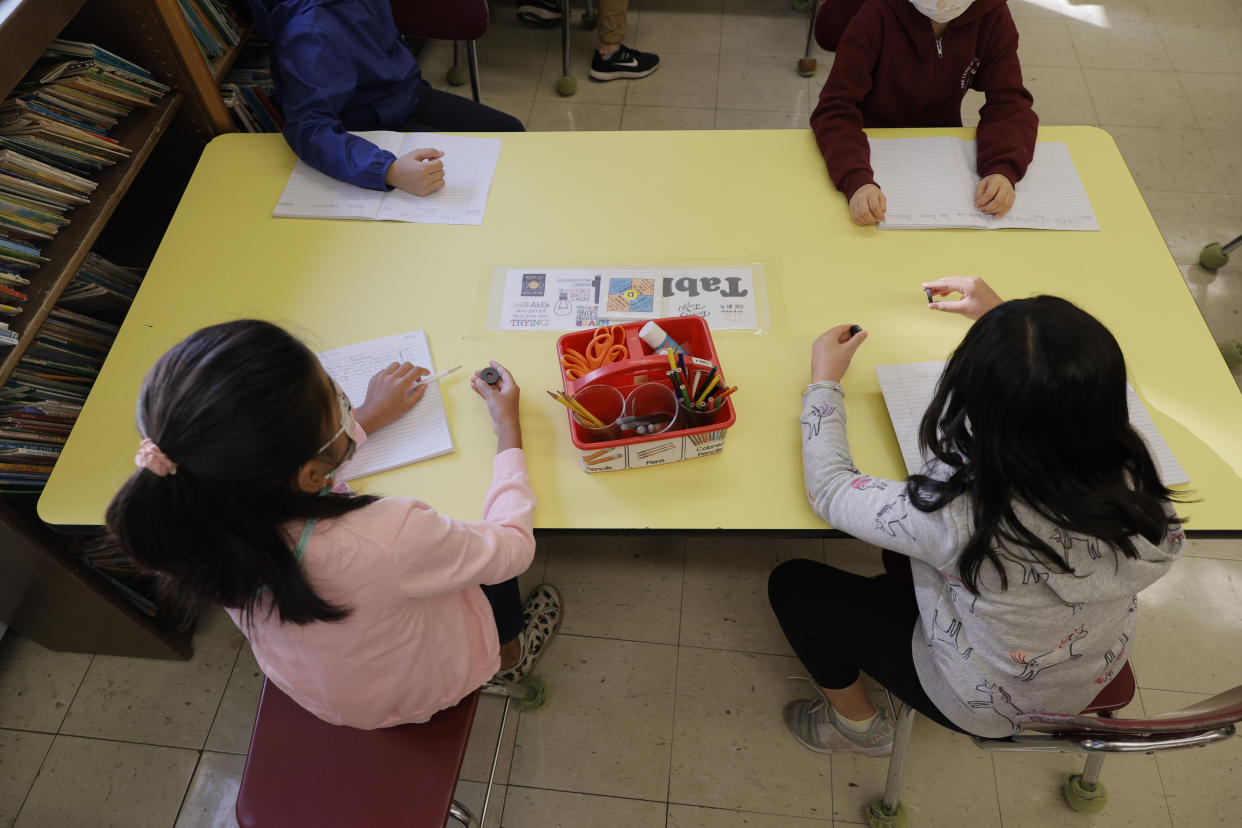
[(942, 11)]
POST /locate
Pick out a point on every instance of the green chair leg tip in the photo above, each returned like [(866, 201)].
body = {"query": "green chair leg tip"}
[(877, 817), (536, 694), (1213, 257), (566, 85), (1082, 800), (458, 76), (1231, 350), (807, 66)]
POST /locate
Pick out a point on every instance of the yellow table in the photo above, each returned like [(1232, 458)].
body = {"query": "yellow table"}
[(616, 198)]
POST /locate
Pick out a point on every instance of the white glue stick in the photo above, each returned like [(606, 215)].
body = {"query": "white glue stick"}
[(658, 340)]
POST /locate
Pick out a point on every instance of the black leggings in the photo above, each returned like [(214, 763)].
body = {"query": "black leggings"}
[(438, 111), (506, 601), (838, 623)]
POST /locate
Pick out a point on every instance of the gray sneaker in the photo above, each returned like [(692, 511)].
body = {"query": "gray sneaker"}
[(813, 722)]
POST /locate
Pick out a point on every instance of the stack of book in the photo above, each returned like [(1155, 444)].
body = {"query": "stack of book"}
[(46, 391), (249, 90), (53, 137), (215, 25), (100, 279)]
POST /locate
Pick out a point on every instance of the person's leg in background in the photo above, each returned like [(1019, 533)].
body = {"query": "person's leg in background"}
[(438, 111), (613, 60)]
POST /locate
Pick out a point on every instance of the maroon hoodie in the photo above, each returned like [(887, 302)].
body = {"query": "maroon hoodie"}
[(891, 71)]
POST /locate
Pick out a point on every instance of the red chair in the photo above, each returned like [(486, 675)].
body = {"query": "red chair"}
[(305, 772), (455, 20), (1209, 721)]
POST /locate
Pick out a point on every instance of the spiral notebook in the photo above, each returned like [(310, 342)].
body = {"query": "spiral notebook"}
[(421, 434), (908, 391)]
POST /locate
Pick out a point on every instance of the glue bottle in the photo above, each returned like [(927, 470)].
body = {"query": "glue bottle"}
[(659, 340)]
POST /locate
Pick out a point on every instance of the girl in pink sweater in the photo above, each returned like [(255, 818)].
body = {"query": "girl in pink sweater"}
[(368, 611)]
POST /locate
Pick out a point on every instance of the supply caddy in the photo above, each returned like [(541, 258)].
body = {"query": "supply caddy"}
[(644, 393)]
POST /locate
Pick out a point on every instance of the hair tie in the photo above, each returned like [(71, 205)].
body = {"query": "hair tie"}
[(150, 457)]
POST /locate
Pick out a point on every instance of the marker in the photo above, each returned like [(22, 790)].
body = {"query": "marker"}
[(434, 377), (928, 292), (489, 375), (855, 330)]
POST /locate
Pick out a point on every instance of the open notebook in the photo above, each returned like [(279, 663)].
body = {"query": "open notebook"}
[(469, 164), (908, 391), (930, 183), (419, 435)]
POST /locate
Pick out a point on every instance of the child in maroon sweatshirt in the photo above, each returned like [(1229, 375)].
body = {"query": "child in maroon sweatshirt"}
[(908, 63)]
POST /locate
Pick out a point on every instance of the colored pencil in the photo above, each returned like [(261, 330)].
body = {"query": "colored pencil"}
[(708, 387)]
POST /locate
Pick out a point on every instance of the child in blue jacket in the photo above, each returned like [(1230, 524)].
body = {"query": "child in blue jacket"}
[(341, 66)]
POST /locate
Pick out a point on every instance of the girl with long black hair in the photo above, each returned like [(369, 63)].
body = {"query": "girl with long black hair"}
[(1038, 519)]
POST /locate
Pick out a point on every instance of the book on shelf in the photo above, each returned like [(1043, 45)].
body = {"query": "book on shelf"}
[(46, 391), (215, 24), (248, 90), (53, 140)]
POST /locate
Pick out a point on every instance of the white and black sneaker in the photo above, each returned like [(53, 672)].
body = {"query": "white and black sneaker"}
[(542, 612), (623, 63), (542, 13)]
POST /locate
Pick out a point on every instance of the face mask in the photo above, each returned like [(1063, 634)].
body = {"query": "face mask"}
[(942, 11), (349, 427)]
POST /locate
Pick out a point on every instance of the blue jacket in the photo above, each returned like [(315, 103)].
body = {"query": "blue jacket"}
[(339, 65)]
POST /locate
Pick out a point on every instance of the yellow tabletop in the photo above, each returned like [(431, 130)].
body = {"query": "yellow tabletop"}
[(656, 198)]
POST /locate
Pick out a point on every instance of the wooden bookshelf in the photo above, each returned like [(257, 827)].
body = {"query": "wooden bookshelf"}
[(140, 131), (47, 592)]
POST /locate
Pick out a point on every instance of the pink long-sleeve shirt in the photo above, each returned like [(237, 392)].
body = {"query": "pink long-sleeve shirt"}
[(420, 636)]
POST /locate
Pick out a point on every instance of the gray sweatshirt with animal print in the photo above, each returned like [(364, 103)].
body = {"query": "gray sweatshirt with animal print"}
[(1049, 642)]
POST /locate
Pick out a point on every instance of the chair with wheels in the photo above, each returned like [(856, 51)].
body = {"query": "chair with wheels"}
[(303, 771), (1094, 732), (460, 21)]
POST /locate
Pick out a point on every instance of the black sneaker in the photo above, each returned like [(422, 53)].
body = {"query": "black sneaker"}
[(623, 63), (542, 13)]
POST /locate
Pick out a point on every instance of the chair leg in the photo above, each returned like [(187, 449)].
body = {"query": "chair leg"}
[(808, 64), (463, 816), (472, 55), (457, 73), (566, 85), (888, 812), (491, 777)]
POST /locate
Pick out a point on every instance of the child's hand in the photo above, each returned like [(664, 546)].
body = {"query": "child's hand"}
[(994, 195), (390, 394), (867, 205), (502, 405), (832, 352), (417, 172), (977, 298)]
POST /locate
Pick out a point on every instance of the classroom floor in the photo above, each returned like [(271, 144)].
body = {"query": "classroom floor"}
[(669, 675)]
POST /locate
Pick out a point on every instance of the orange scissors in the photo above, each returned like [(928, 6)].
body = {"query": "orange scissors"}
[(607, 346)]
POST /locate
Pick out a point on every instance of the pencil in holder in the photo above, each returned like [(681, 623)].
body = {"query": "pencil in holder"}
[(688, 417), (606, 404)]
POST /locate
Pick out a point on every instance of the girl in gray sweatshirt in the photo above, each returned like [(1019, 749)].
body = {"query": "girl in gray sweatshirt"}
[(1037, 520)]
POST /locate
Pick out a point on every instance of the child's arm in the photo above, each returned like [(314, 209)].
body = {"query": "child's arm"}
[(1007, 123), (875, 510), (317, 83), (454, 554), (837, 120)]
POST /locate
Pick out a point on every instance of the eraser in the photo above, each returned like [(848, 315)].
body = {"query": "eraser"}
[(490, 375), (928, 292), (855, 330)]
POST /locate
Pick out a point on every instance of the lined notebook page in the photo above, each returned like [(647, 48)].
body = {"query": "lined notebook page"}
[(312, 194), (421, 434), (925, 188), (925, 182), (1049, 197), (908, 391), (469, 165)]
